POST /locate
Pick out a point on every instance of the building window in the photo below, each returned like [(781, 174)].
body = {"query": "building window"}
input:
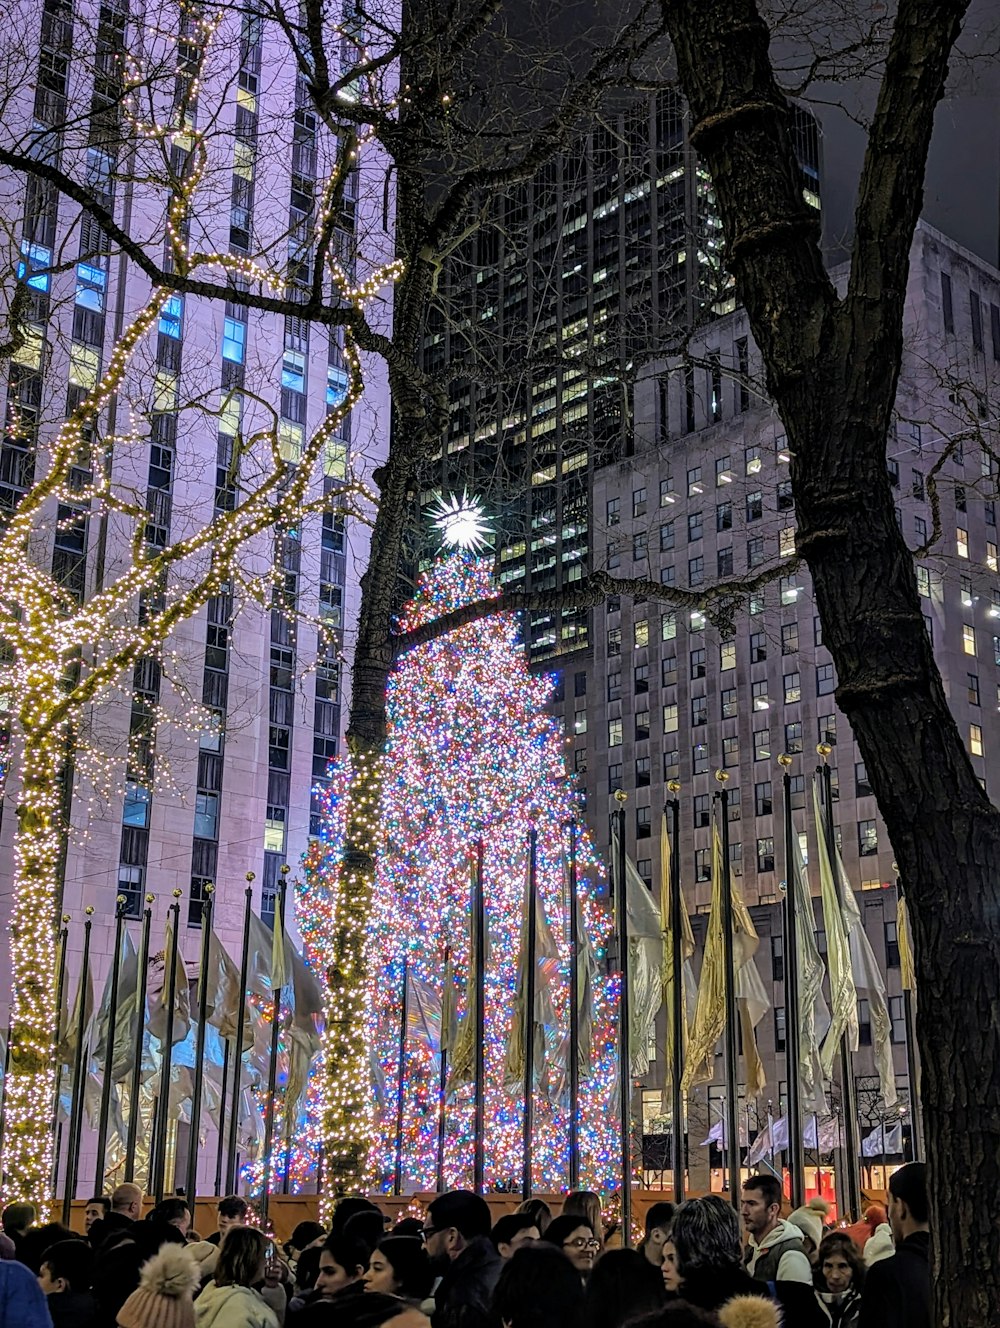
[(639, 546), (727, 656), (897, 1014), (785, 500), (779, 1028), (765, 855), (666, 537), (694, 524), (613, 559), (638, 502), (613, 510), (672, 764), (699, 758), (864, 1024), (891, 945), (580, 760), (695, 485), (961, 542), (668, 670), (614, 777), (924, 582), (614, 640), (790, 639), (668, 625), (758, 691), (644, 866), (698, 665), (825, 680), (758, 647), (730, 753), (755, 506), (667, 495), (724, 516), (642, 772), (641, 725), (640, 633), (696, 571), (991, 555), (947, 308), (724, 562), (761, 744), (615, 685), (778, 958), (730, 704), (968, 639), (751, 460), (972, 688), (206, 815), (699, 711), (670, 717), (786, 542), (827, 729), (975, 740), (793, 688), (755, 551), (702, 864), (234, 340), (640, 679), (723, 474), (976, 317), (614, 733), (580, 721), (642, 822), (797, 792), (867, 838), (862, 788), (762, 802), (136, 809)]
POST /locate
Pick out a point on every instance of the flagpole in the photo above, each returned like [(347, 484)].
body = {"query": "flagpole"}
[(397, 1184), (234, 1115), (849, 1106), (272, 1068), (60, 1034), (221, 1146), (529, 1014), (912, 1075), (191, 1186), (732, 1064), (479, 1118), (158, 1160), (76, 1102), (443, 1078), (574, 1017), (793, 1042), (624, 1049), (676, 1012), (135, 1087), (109, 1051)]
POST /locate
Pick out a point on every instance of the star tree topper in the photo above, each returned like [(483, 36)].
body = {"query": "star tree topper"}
[(461, 522)]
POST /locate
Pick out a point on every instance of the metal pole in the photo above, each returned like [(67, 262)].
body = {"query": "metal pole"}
[(158, 1161), (191, 1186), (574, 1016), (479, 926), (397, 1184), (793, 1043), (446, 998), (76, 1103), (109, 1053), (849, 1106), (221, 1148), (60, 1034), (135, 1087), (624, 1049), (234, 1115), (531, 939), (676, 1012), (272, 1068), (732, 1055)]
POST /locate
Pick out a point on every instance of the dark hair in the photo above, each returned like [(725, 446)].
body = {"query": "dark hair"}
[(240, 1256), (560, 1228), (73, 1260), (838, 1242), (506, 1228), (706, 1235), (367, 1228), (678, 1314), (539, 1210), (769, 1187), (468, 1213), (349, 1253), (307, 1269), (620, 1288), (35, 1242), (17, 1217), (346, 1209), (304, 1235), (409, 1226), (103, 1199), (538, 1288), (660, 1215), (909, 1184), (233, 1206), (169, 1210), (586, 1204), (411, 1265), (368, 1311)]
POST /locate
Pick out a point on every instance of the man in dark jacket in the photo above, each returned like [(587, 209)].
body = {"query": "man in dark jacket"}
[(126, 1209), (897, 1290), (457, 1236)]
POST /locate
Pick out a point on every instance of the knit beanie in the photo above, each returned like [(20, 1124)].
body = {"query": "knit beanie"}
[(809, 1219), (165, 1298)]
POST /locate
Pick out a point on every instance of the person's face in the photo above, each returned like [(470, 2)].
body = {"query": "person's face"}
[(897, 1216), (668, 1267), (380, 1275), (331, 1277), (581, 1246), (49, 1284), (757, 1215), (91, 1214), (442, 1244), (657, 1237), (525, 1236), (183, 1223), (837, 1272), (227, 1223)]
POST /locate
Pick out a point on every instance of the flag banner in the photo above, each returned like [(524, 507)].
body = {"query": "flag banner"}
[(449, 1012), (752, 1001), (827, 1129), (710, 1010), (688, 984), (883, 1140), (279, 965), (224, 1000), (645, 948), (66, 1051), (717, 1134), (843, 994), (587, 974), (259, 957), (904, 941), (124, 1035), (463, 1051), (423, 1013), (543, 1015), (159, 993), (772, 1139), (813, 1013)]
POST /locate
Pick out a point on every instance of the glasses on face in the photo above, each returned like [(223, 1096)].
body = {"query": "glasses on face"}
[(427, 1232), (582, 1243)]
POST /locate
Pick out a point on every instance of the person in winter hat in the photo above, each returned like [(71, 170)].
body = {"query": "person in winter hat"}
[(229, 1300), (810, 1220), (880, 1245), (165, 1296), (750, 1312)]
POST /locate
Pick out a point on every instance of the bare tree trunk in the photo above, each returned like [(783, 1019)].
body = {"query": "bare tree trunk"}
[(832, 368)]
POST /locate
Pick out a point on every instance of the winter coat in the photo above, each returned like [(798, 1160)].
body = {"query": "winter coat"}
[(233, 1307), (73, 1309), (780, 1257), (22, 1301), (897, 1290), (462, 1299), (843, 1310), (710, 1288)]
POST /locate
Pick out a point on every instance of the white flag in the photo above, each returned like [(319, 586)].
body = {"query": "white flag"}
[(645, 988), (883, 1141)]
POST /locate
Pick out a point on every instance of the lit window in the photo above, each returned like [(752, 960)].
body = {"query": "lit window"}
[(699, 759), (793, 688), (730, 752), (614, 733), (274, 836), (290, 438), (924, 582), (335, 459), (697, 621), (246, 99), (293, 371), (968, 639), (761, 744), (164, 390), (336, 386), (727, 656), (614, 511), (670, 718), (786, 542), (234, 340), (136, 810), (83, 364), (668, 625), (867, 838), (29, 353), (961, 542), (640, 633), (229, 414), (91, 282), (171, 315), (975, 740), (35, 257), (580, 721), (638, 502), (991, 556)]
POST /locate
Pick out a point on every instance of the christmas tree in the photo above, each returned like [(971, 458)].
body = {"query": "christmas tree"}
[(472, 756)]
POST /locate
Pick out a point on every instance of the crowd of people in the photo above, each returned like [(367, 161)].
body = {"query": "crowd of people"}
[(698, 1264)]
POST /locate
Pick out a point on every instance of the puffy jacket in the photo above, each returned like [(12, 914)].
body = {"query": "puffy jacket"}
[(233, 1307)]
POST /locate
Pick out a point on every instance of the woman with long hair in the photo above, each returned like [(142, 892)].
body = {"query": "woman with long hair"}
[(623, 1286), (709, 1254), (231, 1300), (839, 1278), (399, 1266), (538, 1288), (585, 1203), (575, 1237)]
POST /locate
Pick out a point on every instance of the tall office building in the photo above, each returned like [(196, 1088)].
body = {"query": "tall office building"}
[(574, 281), (668, 696), (235, 798)]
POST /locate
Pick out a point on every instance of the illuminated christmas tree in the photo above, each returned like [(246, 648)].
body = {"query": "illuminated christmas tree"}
[(472, 755)]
